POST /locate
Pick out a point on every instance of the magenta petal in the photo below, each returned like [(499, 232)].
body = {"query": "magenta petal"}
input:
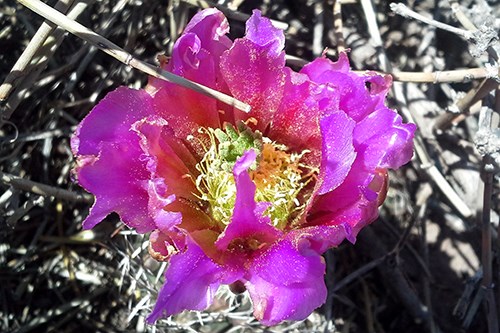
[(187, 54), (352, 204), (117, 178), (111, 119), (348, 192), (195, 56), (387, 143), (183, 108), (381, 141), (316, 240), (352, 216), (254, 75), (337, 151), (166, 172), (296, 122), (163, 245), (158, 200), (355, 98), (192, 279), (285, 285), (319, 66), (211, 26), (247, 220), (262, 32), (241, 166), (158, 142), (109, 163)]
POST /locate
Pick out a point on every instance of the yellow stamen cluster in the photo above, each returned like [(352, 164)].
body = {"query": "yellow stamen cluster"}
[(279, 180), (216, 186), (278, 176)]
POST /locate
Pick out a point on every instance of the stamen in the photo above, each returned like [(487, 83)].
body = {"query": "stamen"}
[(278, 175)]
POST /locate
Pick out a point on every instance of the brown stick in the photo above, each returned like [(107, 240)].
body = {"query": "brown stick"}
[(461, 107), (459, 75), (486, 257), (43, 189)]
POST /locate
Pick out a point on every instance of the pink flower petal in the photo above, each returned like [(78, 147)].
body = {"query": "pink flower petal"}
[(159, 199), (211, 26), (261, 31), (163, 245), (109, 161), (356, 99), (285, 285), (111, 119), (195, 56), (337, 150), (254, 73), (353, 217), (354, 204), (192, 279), (162, 160), (381, 141), (247, 221), (296, 122), (384, 140), (183, 108), (316, 240), (348, 192), (118, 179)]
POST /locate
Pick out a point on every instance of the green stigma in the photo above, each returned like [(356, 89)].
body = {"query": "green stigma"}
[(233, 142), (278, 175)]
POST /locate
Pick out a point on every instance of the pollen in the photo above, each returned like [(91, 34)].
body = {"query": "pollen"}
[(279, 175), (280, 178)]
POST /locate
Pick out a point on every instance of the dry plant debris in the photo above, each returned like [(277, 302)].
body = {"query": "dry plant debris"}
[(429, 264)]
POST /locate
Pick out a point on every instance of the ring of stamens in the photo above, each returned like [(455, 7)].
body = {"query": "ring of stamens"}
[(279, 175)]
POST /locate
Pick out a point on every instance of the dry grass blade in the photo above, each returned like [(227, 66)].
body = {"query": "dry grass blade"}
[(460, 108), (22, 77), (403, 10), (118, 53), (458, 75), (18, 71)]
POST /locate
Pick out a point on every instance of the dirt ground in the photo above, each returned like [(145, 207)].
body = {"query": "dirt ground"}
[(430, 263)]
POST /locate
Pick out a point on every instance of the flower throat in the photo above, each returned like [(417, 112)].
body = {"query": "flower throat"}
[(278, 175)]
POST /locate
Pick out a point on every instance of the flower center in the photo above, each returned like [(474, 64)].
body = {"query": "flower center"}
[(278, 174)]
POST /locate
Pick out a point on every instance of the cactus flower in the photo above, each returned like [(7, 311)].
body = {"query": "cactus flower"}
[(251, 200)]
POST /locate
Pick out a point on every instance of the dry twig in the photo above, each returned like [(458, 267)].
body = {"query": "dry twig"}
[(42, 189), (118, 53)]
